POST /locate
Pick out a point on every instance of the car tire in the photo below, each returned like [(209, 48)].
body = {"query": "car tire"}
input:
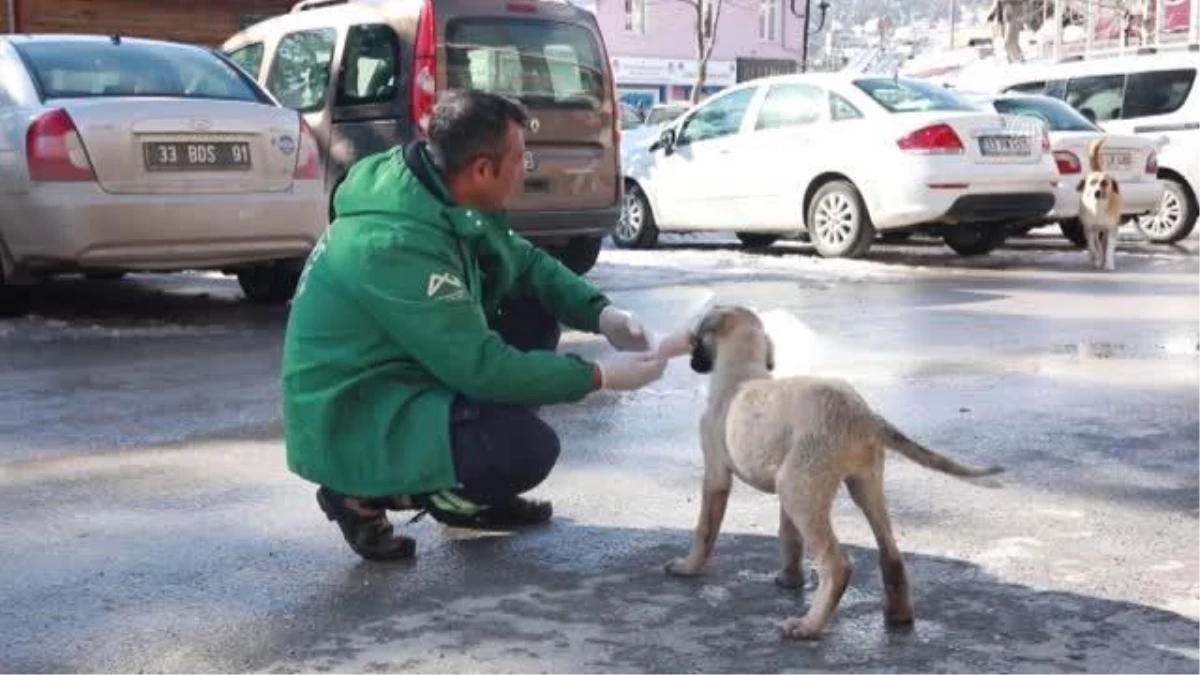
[(636, 228), (895, 237), (104, 276), (838, 222), (14, 300), (1073, 231), (757, 240), (579, 254), (269, 284), (1176, 215), (973, 241)]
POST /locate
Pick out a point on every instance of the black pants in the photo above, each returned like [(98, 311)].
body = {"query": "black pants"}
[(502, 450)]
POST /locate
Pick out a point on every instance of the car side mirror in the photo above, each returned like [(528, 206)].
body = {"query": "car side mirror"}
[(666, 141)]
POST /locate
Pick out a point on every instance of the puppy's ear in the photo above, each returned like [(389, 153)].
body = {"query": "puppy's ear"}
[(1116, 185), (702, 359), (770, 354), (1079, 186)]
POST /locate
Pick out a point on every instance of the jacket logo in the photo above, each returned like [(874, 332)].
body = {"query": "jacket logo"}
[(445, 286)]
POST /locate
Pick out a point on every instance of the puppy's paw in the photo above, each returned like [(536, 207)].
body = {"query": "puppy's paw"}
[(680, 567), (898, 618), (801, 628), (791, 580)]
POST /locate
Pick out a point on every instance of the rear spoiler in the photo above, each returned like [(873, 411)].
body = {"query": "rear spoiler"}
[(314, 4)]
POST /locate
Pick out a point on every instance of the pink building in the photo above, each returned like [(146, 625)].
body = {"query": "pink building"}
[(652, 44)]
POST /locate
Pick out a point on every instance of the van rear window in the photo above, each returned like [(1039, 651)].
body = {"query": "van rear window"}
[(544, 64)]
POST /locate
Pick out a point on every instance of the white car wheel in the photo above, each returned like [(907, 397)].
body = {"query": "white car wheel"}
[(635, 227), (1175, 218), (838, 222)]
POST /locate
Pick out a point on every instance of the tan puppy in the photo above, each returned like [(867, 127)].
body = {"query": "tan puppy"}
[(1099, 210), (799, 437)]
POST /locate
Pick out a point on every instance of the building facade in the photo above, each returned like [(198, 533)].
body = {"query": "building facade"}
[(206, 22), (652, 44)]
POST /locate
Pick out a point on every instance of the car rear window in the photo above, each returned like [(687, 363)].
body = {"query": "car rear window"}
[(544, 64), (902, 96), (72, 69), (1057, 115)]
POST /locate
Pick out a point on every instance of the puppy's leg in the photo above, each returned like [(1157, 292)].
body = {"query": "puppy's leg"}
[(867, 492), (1093, 249), (807, 495), (791, 551), (717, 482), (1110, 250)]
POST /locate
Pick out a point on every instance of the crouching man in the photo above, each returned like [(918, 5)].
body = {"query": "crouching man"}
[(423, 335)]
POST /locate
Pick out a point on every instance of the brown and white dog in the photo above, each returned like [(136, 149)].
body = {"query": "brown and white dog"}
[(1099, 210), (801, 438)]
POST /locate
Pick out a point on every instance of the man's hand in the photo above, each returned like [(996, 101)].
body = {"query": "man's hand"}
[(627, 371), (623, 330)]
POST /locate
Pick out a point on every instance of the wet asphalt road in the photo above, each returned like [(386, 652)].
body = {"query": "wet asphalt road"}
[(149, 523)]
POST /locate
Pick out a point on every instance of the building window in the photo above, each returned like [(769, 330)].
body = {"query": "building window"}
[(635, 16), (768, 20)]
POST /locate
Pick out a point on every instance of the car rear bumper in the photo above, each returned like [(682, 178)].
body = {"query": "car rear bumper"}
[(923, 205), (552, 225), (1136, 199), (79, 226)]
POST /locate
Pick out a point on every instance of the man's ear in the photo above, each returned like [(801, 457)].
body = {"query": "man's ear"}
[(770, 353), (1079, 186)]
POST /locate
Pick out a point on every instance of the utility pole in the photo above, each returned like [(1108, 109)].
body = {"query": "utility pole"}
[(823, 6)]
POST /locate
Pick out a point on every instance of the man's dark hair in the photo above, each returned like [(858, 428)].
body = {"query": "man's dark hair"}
[(468, 124)]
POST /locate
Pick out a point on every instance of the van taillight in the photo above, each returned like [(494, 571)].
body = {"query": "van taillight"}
[(54, 150), (1152, 163), (424, 79), (308, 157)]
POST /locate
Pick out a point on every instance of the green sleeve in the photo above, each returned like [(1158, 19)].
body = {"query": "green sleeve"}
[(570, 297), (418, 296)]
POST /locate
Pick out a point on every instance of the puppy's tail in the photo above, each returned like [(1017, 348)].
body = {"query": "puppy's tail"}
[(896, 440), (1093, 154)]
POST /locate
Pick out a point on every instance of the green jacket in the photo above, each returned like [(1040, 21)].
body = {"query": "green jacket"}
[(390, 320)]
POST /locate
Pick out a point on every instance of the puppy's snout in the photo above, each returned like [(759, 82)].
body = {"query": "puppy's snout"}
[(1099, 194)]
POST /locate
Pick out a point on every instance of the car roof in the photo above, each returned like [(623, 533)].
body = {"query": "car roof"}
[(29, 38)]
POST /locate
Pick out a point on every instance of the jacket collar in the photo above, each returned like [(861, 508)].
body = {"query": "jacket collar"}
[(466, 221)]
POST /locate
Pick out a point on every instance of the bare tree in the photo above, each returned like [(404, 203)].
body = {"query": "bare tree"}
[(706, 20)]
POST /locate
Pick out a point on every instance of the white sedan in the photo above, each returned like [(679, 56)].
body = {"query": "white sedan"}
[(1131, 160), (841, 157)]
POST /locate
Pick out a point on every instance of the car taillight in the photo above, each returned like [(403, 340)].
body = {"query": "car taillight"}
[(308, 157), (1045, 140), (1152, 163), (424, 82), (1067, 162), (54, 149), (933, 140)]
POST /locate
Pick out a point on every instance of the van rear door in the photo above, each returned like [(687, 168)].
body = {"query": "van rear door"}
[(552, 59)]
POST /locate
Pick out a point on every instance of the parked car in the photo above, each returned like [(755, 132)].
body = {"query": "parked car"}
[(663, 113), (121, 155), (1132, 160), (1151, 95), (630, 117), (366, 76), (841, 157)]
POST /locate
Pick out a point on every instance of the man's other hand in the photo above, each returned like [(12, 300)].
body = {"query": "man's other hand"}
[(627, 371), (623, 330)]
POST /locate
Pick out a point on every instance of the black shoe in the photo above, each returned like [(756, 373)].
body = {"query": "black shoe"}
[(370, 536), (517, 512)]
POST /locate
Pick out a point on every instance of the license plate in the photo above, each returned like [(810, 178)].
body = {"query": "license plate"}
[(1116, 160), (1004, 146), (190, 156)]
